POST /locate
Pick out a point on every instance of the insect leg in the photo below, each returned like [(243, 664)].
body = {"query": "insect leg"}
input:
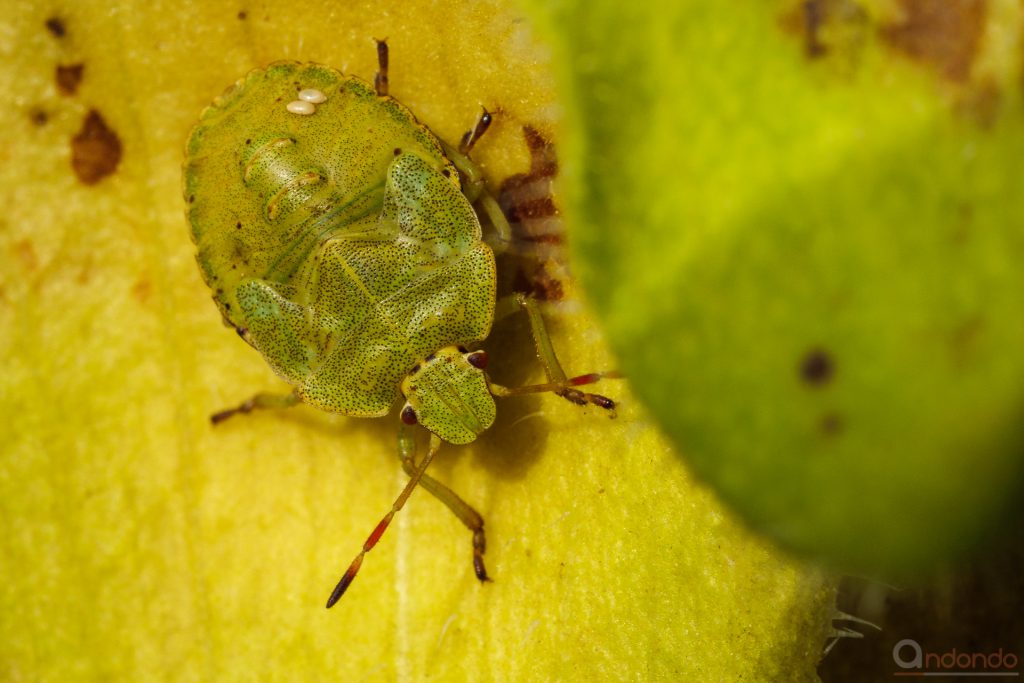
[(257, 402), (502, 237), (466, 514), (558, 382), (566, 390), (382, 525), (476, 192), (380, 80)]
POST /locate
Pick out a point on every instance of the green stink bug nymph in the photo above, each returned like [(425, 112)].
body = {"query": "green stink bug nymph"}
[(340, 239)]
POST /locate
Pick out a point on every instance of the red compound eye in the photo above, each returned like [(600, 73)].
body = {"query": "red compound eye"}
[(408, 415), (478, 359)]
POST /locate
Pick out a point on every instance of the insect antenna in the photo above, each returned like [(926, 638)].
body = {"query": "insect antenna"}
[(479, 128), (378, 531), (566, 389)]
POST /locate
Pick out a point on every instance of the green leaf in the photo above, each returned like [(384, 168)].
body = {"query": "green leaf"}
[(801, 224)]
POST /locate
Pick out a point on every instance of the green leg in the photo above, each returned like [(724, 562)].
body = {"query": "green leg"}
[(558, 383), (257, 402), (472, 180), (500, 241), (474, 188), (466, 514)]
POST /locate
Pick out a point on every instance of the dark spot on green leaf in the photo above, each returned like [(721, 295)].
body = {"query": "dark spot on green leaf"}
[(69, 77), (817, 368), (835, 29), (831, 424), (965, 340), (95, 150), (981, 102), (944, 34)]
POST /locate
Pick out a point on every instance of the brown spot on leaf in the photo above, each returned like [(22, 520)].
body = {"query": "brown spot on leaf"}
[(817, 368), (38, 116), (964, 225), (813, 17), (25, 252), (980, 102), (55, 25), (944, 34), (95, 150), (69, 77), (86, 272), (831, 424), (965, 340), (243, 15), (142, 290), (828, 28)]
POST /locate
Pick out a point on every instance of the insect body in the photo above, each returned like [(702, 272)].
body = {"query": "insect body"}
[(339, 241)]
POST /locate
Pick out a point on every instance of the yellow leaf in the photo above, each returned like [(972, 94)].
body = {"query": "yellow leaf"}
[(140, 543)]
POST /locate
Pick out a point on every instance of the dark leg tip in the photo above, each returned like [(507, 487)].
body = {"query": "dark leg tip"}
[(219, 417), (479, 569), (339, 590)]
